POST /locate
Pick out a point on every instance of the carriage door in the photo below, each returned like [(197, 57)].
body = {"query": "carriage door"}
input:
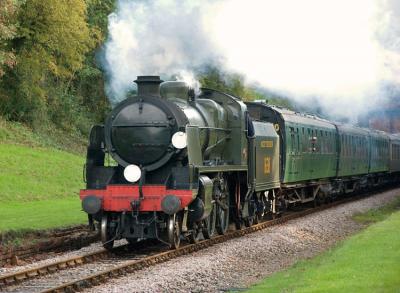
[(294, 151)]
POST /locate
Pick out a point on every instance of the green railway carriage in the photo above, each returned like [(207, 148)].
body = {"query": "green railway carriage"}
[(379, 152), (308, 144), (394, 153), (354, 145)]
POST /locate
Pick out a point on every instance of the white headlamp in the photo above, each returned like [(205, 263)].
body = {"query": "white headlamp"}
[(179, 140), (132, 173)]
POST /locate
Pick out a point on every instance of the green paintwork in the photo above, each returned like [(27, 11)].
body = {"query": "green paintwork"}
[(310, 149), (219, 142), (194, 146), (379, 147), (235, 149), (266, 158), (354, 151), (394, 153)]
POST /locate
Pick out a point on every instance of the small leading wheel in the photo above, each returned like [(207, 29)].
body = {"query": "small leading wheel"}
[(174, 231), (106, 234), (222, 199), (209, 224)]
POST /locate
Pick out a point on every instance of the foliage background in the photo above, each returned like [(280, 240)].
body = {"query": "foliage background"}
[(50, 71)]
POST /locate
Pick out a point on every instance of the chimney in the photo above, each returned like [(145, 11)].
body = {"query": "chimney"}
[(148, 85)]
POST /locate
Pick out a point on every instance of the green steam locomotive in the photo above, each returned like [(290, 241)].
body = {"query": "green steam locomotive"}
[(170, 164)]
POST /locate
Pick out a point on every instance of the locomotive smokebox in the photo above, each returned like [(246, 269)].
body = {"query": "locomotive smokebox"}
[(148, 85)]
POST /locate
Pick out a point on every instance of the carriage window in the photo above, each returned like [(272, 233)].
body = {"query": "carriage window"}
[(351, 145), (292, 138), (361, 147), (393, 152), (398, 152), (357, 146), (348, 146), (298, 141), (343, 144)]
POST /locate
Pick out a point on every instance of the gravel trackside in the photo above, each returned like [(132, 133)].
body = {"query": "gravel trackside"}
[(241, 262)]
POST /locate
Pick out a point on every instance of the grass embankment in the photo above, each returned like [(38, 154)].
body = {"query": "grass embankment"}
[(367, 262), (39, 180), (47, 137)]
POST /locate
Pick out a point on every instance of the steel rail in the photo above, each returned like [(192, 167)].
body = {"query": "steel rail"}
[(58, 239), (13, 278)]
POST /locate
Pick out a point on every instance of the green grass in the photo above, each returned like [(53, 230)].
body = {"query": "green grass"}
[(39, 215), (29, 174), (367, 262), (48, 137), (40, 179), (39, 188)]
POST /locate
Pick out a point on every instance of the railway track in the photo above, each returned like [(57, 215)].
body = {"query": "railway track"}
[(48, 241), (77, 273)]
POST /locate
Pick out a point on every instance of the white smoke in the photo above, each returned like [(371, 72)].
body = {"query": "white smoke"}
[(338, 52), (160, 37)]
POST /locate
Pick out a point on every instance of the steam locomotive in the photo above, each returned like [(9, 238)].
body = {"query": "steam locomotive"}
[(169, 164)]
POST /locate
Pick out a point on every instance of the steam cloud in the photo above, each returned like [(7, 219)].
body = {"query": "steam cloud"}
[(158, 37), (337, 53)]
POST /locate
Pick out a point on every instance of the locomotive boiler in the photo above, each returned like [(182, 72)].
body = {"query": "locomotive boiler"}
[(167, 162)]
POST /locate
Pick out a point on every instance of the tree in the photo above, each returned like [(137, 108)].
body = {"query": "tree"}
[(7, 33), (53, 38), (90, 81)]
